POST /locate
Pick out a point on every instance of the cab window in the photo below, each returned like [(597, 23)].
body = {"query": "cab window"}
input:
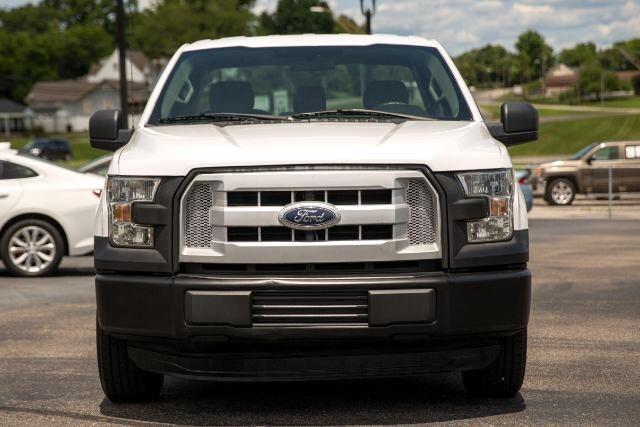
[(632, 151), (10, 170), (606, 153)]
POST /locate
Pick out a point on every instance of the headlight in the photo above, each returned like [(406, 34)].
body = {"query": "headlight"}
[(122, 193), (498, 188)]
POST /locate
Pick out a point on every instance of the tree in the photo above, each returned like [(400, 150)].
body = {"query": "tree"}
[(582, 53), (593, 79), (298, 17), (161, 30), (490, 65), (535, 56)]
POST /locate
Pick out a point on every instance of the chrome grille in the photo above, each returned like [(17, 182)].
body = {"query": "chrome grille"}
[(386, 215), (308, 308), (197, 228), (421, 226)]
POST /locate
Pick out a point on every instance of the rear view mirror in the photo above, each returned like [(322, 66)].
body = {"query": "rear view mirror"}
[(106, 130), (518, 124)]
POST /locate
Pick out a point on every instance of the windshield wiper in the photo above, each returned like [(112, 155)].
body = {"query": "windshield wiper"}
[(220, 117), (356, 112)]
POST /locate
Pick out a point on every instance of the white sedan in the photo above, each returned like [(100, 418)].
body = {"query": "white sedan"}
[(46, 212)]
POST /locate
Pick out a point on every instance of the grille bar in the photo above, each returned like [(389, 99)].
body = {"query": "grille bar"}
[(308, 308)]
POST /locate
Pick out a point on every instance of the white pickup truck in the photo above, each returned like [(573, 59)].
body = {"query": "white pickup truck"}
[(311, 207)]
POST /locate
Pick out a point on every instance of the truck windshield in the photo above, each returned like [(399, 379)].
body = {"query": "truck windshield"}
[(275, 83), (583, 151)]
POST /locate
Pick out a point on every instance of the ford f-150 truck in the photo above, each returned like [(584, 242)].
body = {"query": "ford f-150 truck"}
[(311, 207)]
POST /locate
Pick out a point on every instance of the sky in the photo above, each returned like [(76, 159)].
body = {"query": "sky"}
[(460, 25)]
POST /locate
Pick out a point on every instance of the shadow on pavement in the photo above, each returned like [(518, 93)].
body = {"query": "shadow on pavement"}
[(433, 398)]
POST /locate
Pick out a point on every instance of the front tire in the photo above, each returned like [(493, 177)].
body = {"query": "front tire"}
[(31, 248), (560, 192), (121, 380), (504, 376)]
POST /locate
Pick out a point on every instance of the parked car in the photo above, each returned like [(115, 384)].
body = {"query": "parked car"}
[(46, 211), (48, 148), (238, 241), (587, 172), (522, 177), (98, 166)]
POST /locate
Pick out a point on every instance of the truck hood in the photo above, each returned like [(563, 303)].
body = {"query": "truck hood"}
[(561, 164), (440, 145)]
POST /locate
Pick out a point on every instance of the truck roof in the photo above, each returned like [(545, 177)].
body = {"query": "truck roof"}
[(310, 40)]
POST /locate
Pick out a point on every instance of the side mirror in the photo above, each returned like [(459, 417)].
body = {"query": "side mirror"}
[(106, 130), (518, 124)]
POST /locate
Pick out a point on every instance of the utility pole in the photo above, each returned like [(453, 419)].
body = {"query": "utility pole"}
[(368, 14), (122, 62)]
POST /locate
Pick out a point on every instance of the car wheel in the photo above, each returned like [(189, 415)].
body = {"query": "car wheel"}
[(504, 376), (120, 378), (560, 192), (31, 248)]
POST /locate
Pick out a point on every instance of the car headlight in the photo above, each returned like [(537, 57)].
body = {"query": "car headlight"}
[(122, 193), (498, 188)]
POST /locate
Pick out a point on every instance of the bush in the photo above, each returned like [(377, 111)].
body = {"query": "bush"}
[(569, 97)]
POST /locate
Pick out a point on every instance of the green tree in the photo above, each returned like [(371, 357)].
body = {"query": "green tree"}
[(161, 30), (582, 53), (298, 17), (491, 65), (593, 79), (535, 56)]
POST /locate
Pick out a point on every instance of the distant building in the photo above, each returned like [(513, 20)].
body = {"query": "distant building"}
[(139, 68), (627, 75), (67, 105), (560, 78), (14, 117)]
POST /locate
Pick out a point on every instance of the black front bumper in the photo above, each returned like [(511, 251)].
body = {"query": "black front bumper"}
[(468, 314)]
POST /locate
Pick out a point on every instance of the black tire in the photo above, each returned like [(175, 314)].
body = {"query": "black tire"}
[(5, 244), (504, 376), (569, 192), (121, 380)]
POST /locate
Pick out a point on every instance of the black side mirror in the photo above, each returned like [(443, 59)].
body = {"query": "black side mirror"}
[(106, 130), (519, 124)]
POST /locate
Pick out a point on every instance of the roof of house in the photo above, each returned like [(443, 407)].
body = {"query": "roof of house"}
[(138, 58), (9, 106), (627, 75), (561, 75), (60, 91)]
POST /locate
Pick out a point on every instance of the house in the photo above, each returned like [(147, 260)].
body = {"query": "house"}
[(138, 67), (67, 105), (14, 117), (560, 78)]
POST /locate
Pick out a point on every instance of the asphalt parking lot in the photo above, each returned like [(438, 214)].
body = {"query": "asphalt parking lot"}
[(584, 347)]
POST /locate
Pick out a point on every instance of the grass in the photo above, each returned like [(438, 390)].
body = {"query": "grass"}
[(567, 137), (631, 102), (81, 151)]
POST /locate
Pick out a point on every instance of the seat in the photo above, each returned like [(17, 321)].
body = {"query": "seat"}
[(384, 91), (231, 96), (309, 98)]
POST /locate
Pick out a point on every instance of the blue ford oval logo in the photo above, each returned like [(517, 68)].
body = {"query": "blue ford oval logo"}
[(309, 216)]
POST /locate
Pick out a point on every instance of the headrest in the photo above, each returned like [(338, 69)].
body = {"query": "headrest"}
[(383, 91), (231, 97), (309, 98)]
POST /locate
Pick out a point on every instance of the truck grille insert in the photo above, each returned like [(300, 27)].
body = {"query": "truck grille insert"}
[(386, 215), (421, 226), (197, 230), (309, 308)]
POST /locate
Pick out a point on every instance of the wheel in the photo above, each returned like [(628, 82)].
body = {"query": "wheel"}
[(504, 376), (121, 380), (31, 248), (560, 192)]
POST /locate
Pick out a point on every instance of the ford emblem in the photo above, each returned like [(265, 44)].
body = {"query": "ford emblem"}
[(309, 216)]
